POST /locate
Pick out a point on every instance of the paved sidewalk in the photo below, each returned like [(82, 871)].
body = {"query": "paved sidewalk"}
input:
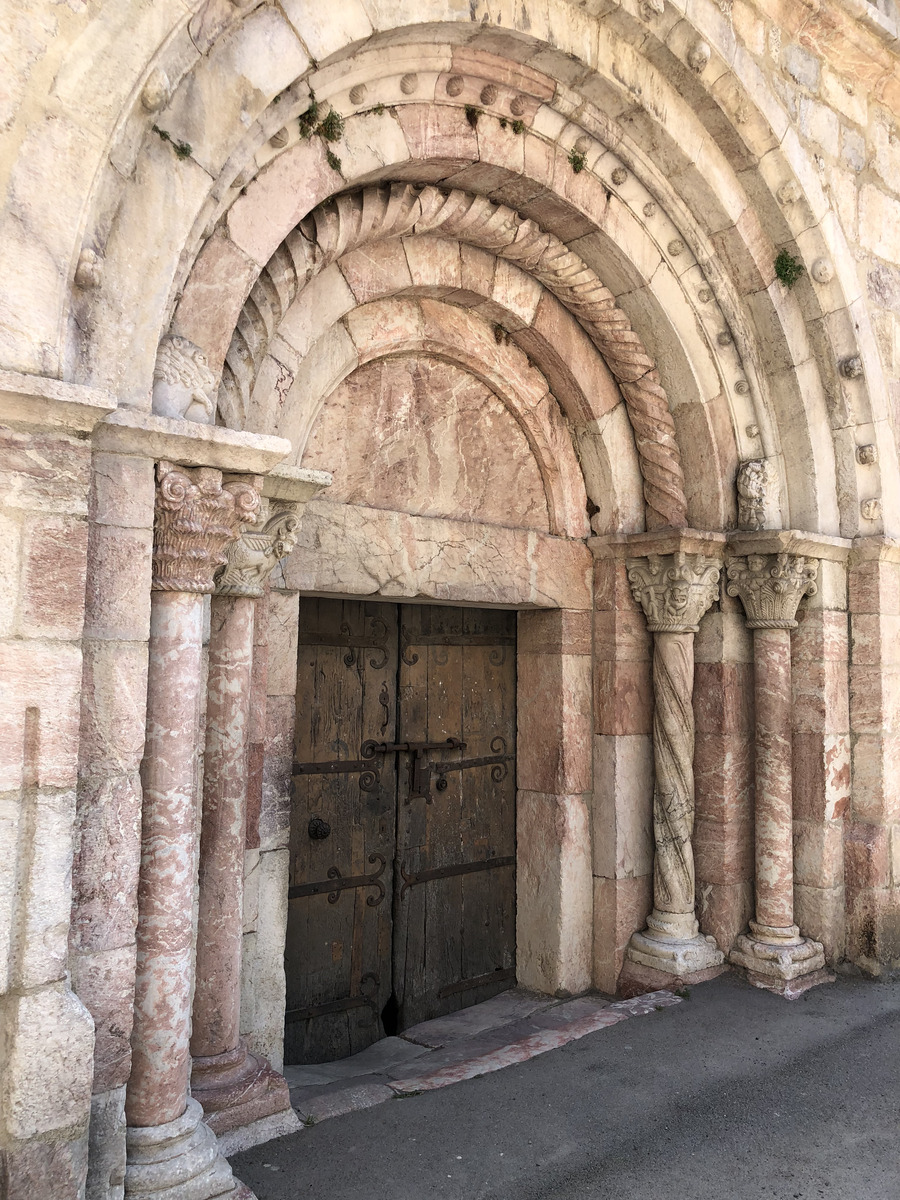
[(733, 1094)]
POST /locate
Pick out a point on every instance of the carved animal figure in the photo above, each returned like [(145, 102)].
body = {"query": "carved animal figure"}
[(183, 385)]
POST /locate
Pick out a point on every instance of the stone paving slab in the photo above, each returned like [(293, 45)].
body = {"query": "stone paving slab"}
[(353, 1098), (509, 1042), (375, 1059), (490, 1041), (516, 1052), (514, 1005)]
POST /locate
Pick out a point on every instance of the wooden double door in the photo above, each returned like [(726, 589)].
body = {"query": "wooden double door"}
[(402, 858)]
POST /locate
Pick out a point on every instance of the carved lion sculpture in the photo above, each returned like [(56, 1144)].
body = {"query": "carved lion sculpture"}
[(183, 385)]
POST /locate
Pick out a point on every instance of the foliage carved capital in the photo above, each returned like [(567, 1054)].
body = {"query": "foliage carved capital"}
[(674, 590), (195, 519), (771, 587)]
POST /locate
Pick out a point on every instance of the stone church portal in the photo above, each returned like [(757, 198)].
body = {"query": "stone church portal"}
[(449, 509)]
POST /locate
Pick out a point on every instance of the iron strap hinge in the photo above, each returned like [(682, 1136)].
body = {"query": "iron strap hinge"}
[(488, 864)]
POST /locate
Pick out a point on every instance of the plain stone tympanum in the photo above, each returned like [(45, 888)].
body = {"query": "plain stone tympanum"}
[(586, 312)]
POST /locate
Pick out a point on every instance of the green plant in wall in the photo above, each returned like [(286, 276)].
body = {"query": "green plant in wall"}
[(518, 126), (182, 149), (330, 128), (787, 268), (309, 120), (472, 114), (577, 161)]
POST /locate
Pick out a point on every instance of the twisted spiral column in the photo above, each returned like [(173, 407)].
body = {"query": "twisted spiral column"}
[(674, 591), (673, 794)]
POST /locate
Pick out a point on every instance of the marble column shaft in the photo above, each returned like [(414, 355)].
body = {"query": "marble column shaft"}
[(673, 794), (674, 590), (234, 1086), (171, 1154), (774, 815), (771, 587), (217, 1009), (157, 1088)]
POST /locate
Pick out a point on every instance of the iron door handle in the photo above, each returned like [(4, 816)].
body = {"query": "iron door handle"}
[(318, 829)]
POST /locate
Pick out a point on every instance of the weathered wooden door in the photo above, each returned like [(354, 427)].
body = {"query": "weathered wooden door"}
[(402, 868)]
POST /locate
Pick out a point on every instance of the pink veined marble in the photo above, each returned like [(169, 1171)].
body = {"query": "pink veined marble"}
[(217, 993), (157, 1089), (774, 854), (233, 1085)]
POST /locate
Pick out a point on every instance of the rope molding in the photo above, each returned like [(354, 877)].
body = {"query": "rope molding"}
[(353, 219)]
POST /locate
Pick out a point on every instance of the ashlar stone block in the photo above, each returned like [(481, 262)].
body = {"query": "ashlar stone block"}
[(46, 1075)]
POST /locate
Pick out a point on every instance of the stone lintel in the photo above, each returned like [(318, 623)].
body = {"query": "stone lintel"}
[(188, 443), (875, 549), (295, 484), (658, 541), (788, 541), (38, 402)]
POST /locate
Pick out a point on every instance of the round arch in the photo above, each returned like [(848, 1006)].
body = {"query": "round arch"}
[(694, 183)]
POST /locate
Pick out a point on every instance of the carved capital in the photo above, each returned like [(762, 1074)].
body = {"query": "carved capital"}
[(183, 384), (674, 590), (771, 587), (195, 519), (251, 558)]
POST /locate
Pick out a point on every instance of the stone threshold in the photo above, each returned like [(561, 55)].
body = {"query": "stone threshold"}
[(510, 1028)]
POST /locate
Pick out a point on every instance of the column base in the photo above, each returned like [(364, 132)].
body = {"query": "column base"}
[(237, 1088), (678, 957), (179, 1161), (637, 980), (780, 960)]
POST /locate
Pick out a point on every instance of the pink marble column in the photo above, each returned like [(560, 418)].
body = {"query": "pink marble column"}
[(170, 1152), (234, 1086), (774, 955), (774, 815), (674, 590)]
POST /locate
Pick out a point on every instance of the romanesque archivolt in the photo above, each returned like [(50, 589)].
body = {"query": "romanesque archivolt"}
[(375, 213)]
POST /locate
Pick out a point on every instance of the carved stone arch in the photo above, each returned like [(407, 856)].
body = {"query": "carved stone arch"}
[(351, 220), (454, 336)]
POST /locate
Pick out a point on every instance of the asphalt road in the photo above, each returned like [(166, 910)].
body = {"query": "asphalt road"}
[(735, 1094)]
